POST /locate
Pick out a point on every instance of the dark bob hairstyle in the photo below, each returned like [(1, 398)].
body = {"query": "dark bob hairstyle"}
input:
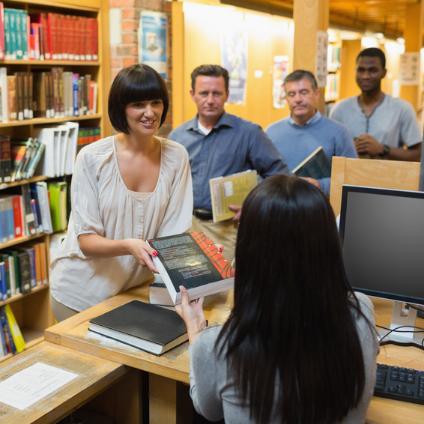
[(133, 84)]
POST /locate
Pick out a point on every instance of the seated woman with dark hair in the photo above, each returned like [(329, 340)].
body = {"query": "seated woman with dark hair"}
[(299, 346), (126, 189)]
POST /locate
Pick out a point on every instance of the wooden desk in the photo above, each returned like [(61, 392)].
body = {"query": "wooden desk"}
[(173, 366), (95, 376), (387, 410), (165, 370)]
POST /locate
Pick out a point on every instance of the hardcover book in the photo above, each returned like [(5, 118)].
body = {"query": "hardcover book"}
[(230, 190), (316, 165), (147, 327), (193, 261)]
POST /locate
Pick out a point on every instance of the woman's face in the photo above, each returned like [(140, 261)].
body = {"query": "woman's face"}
[(144, 116)]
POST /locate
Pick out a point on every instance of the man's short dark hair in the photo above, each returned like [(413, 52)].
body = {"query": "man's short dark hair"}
[(134, 84), (299, 74), (373, 52), (210, 71)]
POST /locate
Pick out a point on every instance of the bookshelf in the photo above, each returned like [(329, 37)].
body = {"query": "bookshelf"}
[(32, 309), (332, 88)]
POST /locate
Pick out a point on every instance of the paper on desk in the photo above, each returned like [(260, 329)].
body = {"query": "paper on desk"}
[(28, 386)]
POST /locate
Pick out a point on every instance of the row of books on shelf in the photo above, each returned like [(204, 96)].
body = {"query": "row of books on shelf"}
[(11, 339), (49, 94), (88, 135), (33, 209), (332, 87), (333, 57), (23, 269), (46, 36), (19, 158), (50, 153)]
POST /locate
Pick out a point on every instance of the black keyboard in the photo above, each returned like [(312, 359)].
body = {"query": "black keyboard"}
[(397, 383)]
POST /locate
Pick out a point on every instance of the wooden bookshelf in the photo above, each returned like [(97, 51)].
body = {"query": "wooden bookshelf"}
[(32, 310), (18, 297), (47, 121), (31, 62), (20, 240), (36, 179)]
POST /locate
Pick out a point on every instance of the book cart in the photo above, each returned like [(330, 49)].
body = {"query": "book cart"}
[(72, 41)]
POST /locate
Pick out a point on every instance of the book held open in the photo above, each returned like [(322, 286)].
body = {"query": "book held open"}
[(230, 190), (193, 261)]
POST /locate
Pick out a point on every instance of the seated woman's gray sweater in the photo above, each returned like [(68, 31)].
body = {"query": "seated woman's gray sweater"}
[(212, 387)]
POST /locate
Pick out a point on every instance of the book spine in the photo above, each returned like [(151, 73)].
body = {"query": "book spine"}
[(38, 273), (2, 40), (25, 271), (7, 275), (28, 213), (18, 339), (44, 264), (11, 348), (12, 276), (3, 286), (10, 221)]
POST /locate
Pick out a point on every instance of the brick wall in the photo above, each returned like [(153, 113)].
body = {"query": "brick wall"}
[(126, 53)]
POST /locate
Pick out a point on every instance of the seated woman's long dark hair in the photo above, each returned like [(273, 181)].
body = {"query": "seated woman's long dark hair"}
[(291, 341)]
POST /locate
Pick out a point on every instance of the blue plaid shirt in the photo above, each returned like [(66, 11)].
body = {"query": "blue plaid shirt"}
[(233, 145)]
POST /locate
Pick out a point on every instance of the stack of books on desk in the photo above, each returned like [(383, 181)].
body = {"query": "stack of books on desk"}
[(147, 327)]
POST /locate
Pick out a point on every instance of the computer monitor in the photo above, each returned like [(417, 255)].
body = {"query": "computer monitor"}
[(382, 234)]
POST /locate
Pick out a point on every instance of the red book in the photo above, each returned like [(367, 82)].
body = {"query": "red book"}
[(18, 215), (49, 36), (35, 40)]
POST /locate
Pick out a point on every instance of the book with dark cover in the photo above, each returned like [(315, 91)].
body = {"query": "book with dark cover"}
[(316, 165), (29, 216), (147, 327), (24, 261), (193, 261), (5, 158), (10, 345)]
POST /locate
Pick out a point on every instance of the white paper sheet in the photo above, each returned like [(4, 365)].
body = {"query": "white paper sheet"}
[(28, 386)]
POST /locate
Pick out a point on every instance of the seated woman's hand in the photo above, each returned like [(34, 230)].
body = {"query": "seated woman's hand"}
[(191, 311), (142, 252)]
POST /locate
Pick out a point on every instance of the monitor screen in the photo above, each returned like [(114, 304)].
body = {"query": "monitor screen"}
[(382, 235)]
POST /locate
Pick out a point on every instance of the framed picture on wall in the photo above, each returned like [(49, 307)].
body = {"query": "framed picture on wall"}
[(152, 40)]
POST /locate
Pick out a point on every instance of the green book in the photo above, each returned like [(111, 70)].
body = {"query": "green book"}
[(58, 193)]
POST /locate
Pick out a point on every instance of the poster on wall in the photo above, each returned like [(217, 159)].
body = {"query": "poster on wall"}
[(321, 58), (234, 57), (409, 68), (279, 72), (152, 45)]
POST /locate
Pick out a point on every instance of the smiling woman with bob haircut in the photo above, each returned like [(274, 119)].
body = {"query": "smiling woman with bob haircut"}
[(299, 345), (126, 188)]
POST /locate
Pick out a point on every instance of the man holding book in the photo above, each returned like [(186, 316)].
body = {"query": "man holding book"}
[(306, 129), (383, 127), (221, 144)]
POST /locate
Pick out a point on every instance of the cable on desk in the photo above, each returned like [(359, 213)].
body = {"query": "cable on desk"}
[(398, 330)]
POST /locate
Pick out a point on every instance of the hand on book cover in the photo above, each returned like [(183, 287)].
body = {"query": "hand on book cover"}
[(237, 210), (142, 252), (191, 311)]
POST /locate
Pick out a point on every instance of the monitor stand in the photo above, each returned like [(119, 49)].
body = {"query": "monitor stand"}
[(402, 316)]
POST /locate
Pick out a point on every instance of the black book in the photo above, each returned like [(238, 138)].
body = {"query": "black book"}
[(25, 270), (147, 327), (316, 165), (193, 261)]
